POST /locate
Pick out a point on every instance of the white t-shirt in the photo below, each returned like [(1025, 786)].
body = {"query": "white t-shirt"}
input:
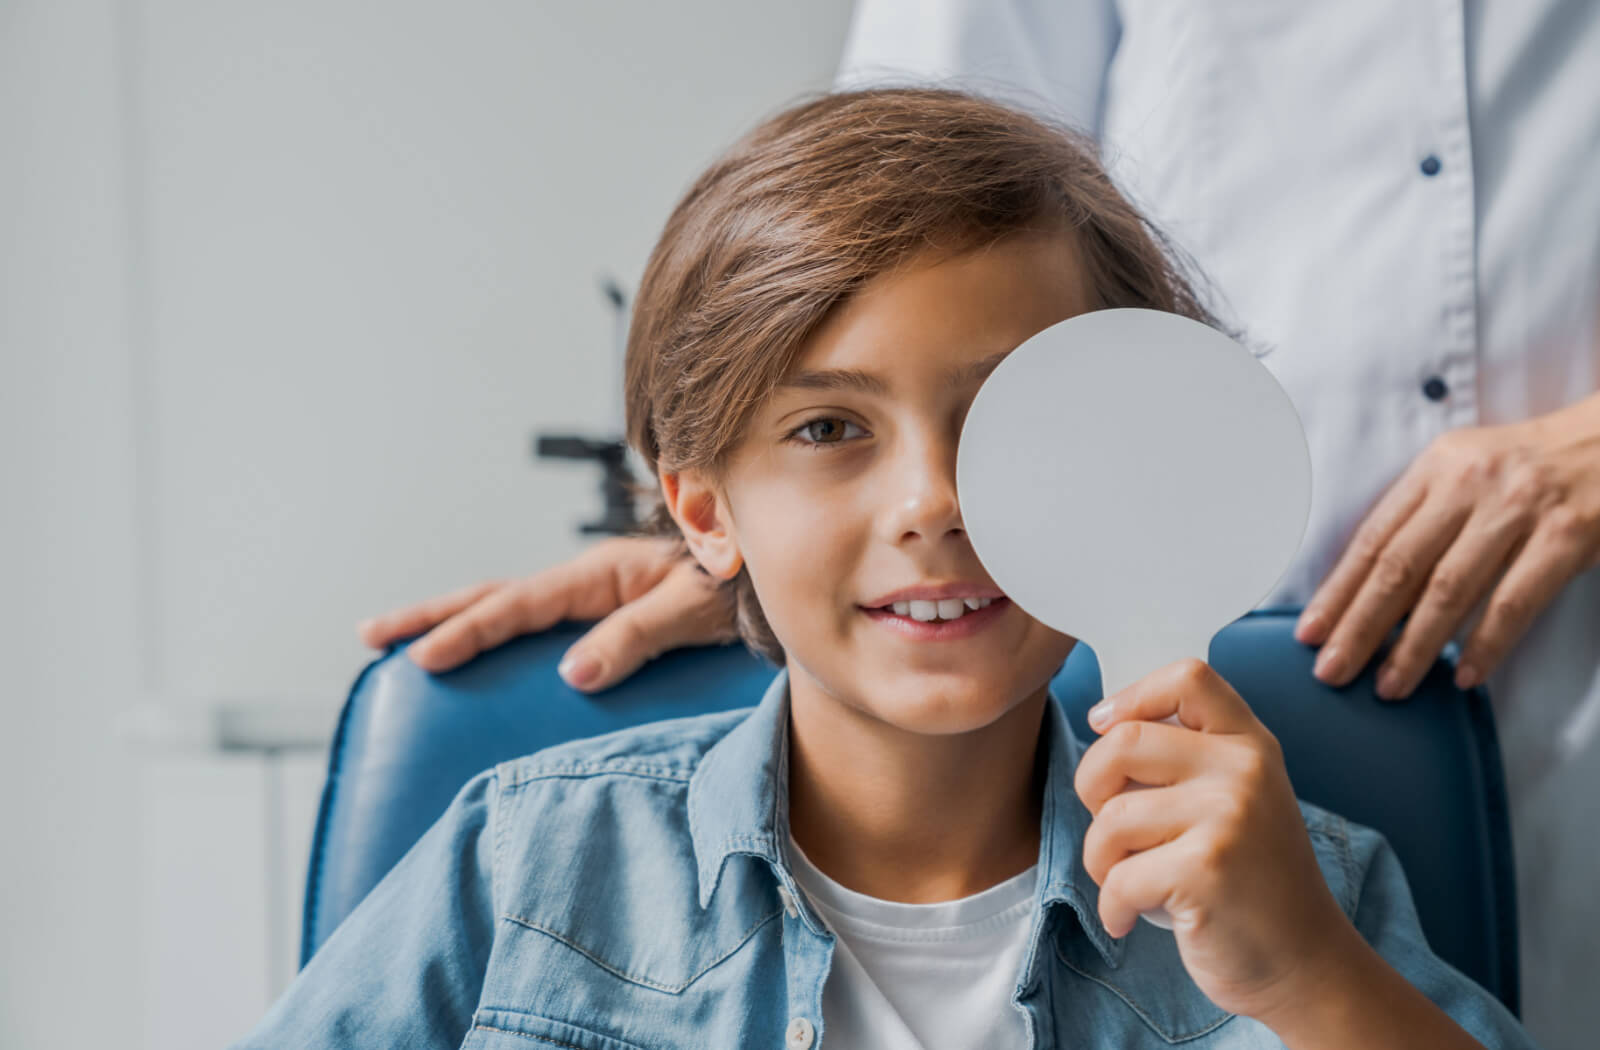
[(922, 976)]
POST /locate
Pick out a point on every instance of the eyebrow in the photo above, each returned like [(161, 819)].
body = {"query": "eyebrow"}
[(870, 383)]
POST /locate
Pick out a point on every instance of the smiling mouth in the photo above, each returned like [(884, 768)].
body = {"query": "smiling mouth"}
[(921, 620), (941, 611)]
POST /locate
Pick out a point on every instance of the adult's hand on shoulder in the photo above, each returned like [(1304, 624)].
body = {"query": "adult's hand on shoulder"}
[(1509, 512), (648, 598)]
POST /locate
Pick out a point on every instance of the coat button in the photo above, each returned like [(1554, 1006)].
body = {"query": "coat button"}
[(799, 1035), (1431, 165), (1435, 389)]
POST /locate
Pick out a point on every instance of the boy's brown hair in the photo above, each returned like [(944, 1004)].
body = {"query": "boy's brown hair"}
[(814, 203)]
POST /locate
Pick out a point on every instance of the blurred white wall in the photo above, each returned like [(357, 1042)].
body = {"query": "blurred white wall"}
[(285, 288)]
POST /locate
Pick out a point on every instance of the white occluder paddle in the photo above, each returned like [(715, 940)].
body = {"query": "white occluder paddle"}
[(1137, 480)]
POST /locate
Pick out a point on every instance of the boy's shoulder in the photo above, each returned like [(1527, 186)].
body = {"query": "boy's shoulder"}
[(1346, 852), (670, 749)]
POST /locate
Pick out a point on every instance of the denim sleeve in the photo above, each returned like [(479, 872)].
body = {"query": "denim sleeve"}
[(1386, 916), (406, 967)]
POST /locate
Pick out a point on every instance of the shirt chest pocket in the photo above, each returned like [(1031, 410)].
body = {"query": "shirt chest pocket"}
[(512, 1030), (659, 956), (666, 987), (1150, 992)]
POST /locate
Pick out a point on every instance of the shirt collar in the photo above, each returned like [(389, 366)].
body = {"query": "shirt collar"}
[(739, 804)]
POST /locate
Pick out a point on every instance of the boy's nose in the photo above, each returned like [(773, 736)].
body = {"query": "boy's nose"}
[(922, 501)]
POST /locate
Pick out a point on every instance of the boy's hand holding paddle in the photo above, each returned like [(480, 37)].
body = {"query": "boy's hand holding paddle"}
[(1216, 839)]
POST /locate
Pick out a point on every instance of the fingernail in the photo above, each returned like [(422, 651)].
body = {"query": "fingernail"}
[(1306, 630), (1327, 664), (1388, 683), (1466, 677), (366, 625), (1100, 713), (579, 671)]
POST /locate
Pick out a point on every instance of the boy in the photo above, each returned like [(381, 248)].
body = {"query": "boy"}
[(902, 845)]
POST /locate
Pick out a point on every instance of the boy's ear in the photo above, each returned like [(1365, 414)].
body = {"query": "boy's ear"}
[(703, 518)]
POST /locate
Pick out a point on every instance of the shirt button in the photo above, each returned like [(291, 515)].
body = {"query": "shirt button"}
[(1431, 165), (1435, 389), (799, 1035), (789, 908)]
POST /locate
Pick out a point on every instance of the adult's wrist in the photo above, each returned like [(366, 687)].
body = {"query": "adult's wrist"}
[(1574, 426)]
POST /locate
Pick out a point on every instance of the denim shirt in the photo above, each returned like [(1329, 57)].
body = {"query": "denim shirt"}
[(632, 892)]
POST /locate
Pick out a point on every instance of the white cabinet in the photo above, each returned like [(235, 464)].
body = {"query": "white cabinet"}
[(222, 867)]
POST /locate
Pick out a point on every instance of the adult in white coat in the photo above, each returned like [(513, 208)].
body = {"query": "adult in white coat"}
[(1403, 200)]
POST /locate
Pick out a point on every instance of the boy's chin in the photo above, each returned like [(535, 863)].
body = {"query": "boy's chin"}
[(945, 709)]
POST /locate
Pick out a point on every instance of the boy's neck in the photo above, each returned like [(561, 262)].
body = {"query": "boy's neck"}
[(908, 816)]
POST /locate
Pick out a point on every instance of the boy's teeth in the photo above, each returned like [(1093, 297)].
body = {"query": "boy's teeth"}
[(944, 609)]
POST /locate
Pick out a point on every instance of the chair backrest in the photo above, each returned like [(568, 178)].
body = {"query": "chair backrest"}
[(1426, 772)]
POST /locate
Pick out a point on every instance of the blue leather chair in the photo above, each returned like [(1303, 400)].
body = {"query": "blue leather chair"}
[(1426, 772)]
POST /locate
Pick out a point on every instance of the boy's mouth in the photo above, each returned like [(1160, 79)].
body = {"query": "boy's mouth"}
[(943, 619), (925, 611), (928, 602)]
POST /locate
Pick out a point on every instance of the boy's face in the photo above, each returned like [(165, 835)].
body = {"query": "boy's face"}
[(841, 494)]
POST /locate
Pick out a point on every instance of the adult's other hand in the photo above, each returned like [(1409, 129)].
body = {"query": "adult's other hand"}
[(648, 598), (1510, 512)]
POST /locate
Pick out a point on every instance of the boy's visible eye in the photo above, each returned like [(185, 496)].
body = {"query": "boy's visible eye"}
[(823, 430)]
